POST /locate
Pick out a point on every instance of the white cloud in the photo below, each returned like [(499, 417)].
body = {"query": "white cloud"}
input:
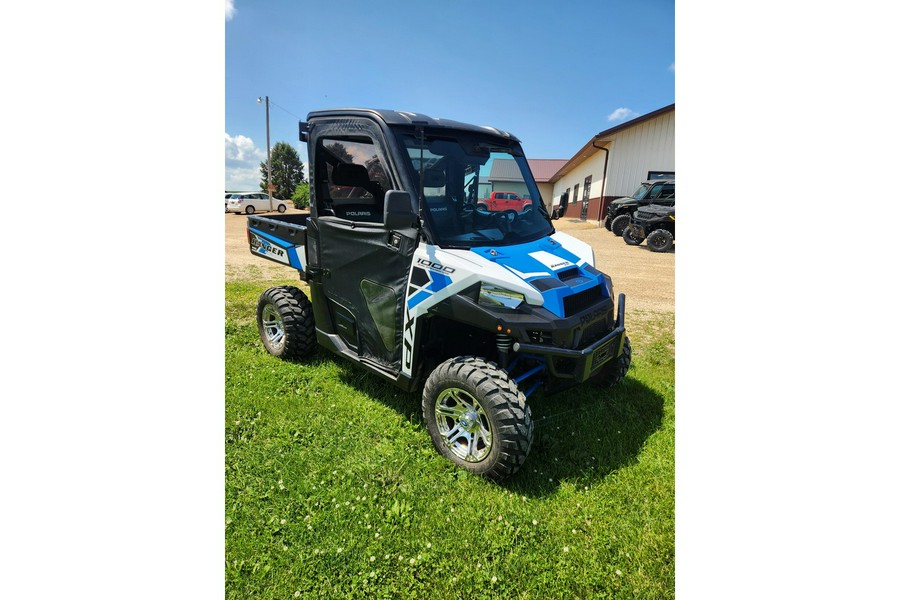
[(622, 114), (242, 159), (229, 10)]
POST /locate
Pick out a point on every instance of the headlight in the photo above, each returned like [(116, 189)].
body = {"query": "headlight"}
[(492, 295)]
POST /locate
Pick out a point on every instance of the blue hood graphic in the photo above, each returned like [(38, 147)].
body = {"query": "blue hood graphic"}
[(547, 267)]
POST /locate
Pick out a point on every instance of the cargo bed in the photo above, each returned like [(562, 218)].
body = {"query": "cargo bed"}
[(280, 238)]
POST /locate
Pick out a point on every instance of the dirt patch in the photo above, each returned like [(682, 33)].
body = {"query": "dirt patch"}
[(647, 278)]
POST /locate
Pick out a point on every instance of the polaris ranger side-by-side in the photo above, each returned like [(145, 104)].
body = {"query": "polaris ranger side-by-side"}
[(654, 223), (660, 191), (410, 280)]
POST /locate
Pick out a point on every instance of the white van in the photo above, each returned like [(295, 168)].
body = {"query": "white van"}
[(251, 202)]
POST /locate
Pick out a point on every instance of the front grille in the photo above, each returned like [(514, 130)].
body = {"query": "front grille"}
[(576, 303), (643, 215)]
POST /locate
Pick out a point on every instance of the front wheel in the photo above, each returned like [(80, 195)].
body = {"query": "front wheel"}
[(620, 223), (477, 417), (614, 371), (284, 317), (660, 240), (607, 222), (631, 238), (282, 208)]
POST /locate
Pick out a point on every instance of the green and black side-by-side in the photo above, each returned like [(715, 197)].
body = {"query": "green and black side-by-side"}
[(658, 191)]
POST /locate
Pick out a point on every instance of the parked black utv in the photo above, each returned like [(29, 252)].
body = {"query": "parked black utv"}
[(661, 191), (654, 223)]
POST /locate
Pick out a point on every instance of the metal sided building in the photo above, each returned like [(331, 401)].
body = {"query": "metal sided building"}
[(614, 162)]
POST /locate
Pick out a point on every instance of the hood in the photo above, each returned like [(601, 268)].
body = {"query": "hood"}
[(623, 200), (548, 267)]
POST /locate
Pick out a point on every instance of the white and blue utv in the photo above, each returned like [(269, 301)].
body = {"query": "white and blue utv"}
[(409, 279)]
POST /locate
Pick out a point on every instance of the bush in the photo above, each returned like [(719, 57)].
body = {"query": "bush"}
[(300, 196)]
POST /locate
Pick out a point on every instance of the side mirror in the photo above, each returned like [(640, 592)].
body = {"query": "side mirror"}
[(398, 211)]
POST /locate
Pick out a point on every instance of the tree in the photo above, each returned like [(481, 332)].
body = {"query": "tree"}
[(301, 195), (287, 170)]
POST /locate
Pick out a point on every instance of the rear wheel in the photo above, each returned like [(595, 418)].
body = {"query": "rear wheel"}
[(614, 371), (660, 240), (620, 223), (284, 318), (250, 210), (477, 417), (631, 238)]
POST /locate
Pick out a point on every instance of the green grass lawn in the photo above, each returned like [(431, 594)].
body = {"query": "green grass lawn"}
[(334, 490)]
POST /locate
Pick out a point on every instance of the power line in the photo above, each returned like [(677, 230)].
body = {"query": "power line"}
[(284, 109)]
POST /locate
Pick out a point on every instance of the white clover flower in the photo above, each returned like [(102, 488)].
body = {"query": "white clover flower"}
[(412, 561), (297, 594), (371, 559), (428, 545), (283, 521), (618, 572), (534, 521), (494, 579), (565, 548)]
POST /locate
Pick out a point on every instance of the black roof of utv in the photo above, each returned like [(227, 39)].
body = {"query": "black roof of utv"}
[(398, 117)]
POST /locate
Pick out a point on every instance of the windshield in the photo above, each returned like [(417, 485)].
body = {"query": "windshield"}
[(641, 191), (461, 174)]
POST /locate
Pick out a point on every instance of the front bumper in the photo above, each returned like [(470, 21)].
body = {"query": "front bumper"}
[(570, 367)]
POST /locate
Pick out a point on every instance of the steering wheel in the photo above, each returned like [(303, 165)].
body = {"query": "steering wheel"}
[(506, 218)]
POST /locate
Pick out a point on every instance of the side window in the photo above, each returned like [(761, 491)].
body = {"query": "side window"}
[(668, 191), (351, 181), (655, 191)]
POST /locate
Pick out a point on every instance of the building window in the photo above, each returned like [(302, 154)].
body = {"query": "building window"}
[(587, 188), (575, 195), (651, 175)]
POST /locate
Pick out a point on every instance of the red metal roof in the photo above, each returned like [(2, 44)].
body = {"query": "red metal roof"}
[(545, 168)]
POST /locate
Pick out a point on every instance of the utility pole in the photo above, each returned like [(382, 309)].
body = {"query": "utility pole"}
[(271, 186)]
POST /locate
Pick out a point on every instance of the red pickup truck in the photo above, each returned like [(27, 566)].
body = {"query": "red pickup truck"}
[(504, 201)]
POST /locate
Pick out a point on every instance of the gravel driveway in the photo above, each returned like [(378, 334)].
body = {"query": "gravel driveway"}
[(647, 278)]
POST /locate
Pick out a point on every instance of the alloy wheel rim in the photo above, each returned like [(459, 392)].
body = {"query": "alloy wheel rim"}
[(463, 425), (273, 326)]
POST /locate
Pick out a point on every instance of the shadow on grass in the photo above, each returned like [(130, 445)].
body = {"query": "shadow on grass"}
[(581, 435)]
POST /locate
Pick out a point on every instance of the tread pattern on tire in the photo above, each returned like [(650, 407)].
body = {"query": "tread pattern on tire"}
[(630, 239), (615, 370), (665, 245), (619, 224), (499, 395), (296, 314)]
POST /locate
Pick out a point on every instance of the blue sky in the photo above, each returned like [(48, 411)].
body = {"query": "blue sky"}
[(552, 73)]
